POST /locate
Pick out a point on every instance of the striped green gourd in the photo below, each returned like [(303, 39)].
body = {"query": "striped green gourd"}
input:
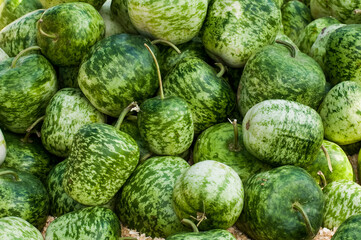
[(318, 49), (258, 22), (342, 58), (117, 71), (60, 202), (310, 33), (27, 156), (340, 113), (295, 17), (210, 98), (101, 159), (23, 195), (342, 200), (211, 193), (67, 31), (166, 123), (280, 71), (147, 195), (25, 96), (176, 21), (169, 57), (282, 203), (119, 10), (51, 3), (2, 148), (223, 143), (340, 168), (214, 234), (345, 11), (12, 228), (10, 10), (349, 230), (67, 111), (20, 34), (282, 132), (88, 223)]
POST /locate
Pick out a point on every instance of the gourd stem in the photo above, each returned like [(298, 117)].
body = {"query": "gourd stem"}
[(290, 47), (52, 36), (323, 179), (357, 11), (190, 223), (297, 206), (158, 71), (28, 131), (222, 71), (327, 157), (235, 147), (14, 174), (13, 64), (154, 42), (132, 106)]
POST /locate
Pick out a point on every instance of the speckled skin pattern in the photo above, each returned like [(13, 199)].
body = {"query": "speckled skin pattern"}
[(67, 111), (20, 34), (147, 195), (17, 228), (341, 113)]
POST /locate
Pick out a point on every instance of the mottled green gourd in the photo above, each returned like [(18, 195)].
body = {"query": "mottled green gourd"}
[(210, 98), (295, 17), (131, 127), (282, 203), (60, 202), (274, 130), (210, 193), (175, 21), (215, 234), (340, 113), (119, 10), (116, 71), (23, 195), (169, 57), (18, 228), (25, 96), (10, 10), (234, 30), (112, 26), (310, 33), (51, 3), (2, 148), (318, 49), (340, 165), (223, 142), (27, 156), (342, 200), (20, 34), (147, 195), (88, 223), (101, 159), (67, 31), (349, 230), (166, 123), (280, 71), (345, 11), (342, 58), (67, 111)]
